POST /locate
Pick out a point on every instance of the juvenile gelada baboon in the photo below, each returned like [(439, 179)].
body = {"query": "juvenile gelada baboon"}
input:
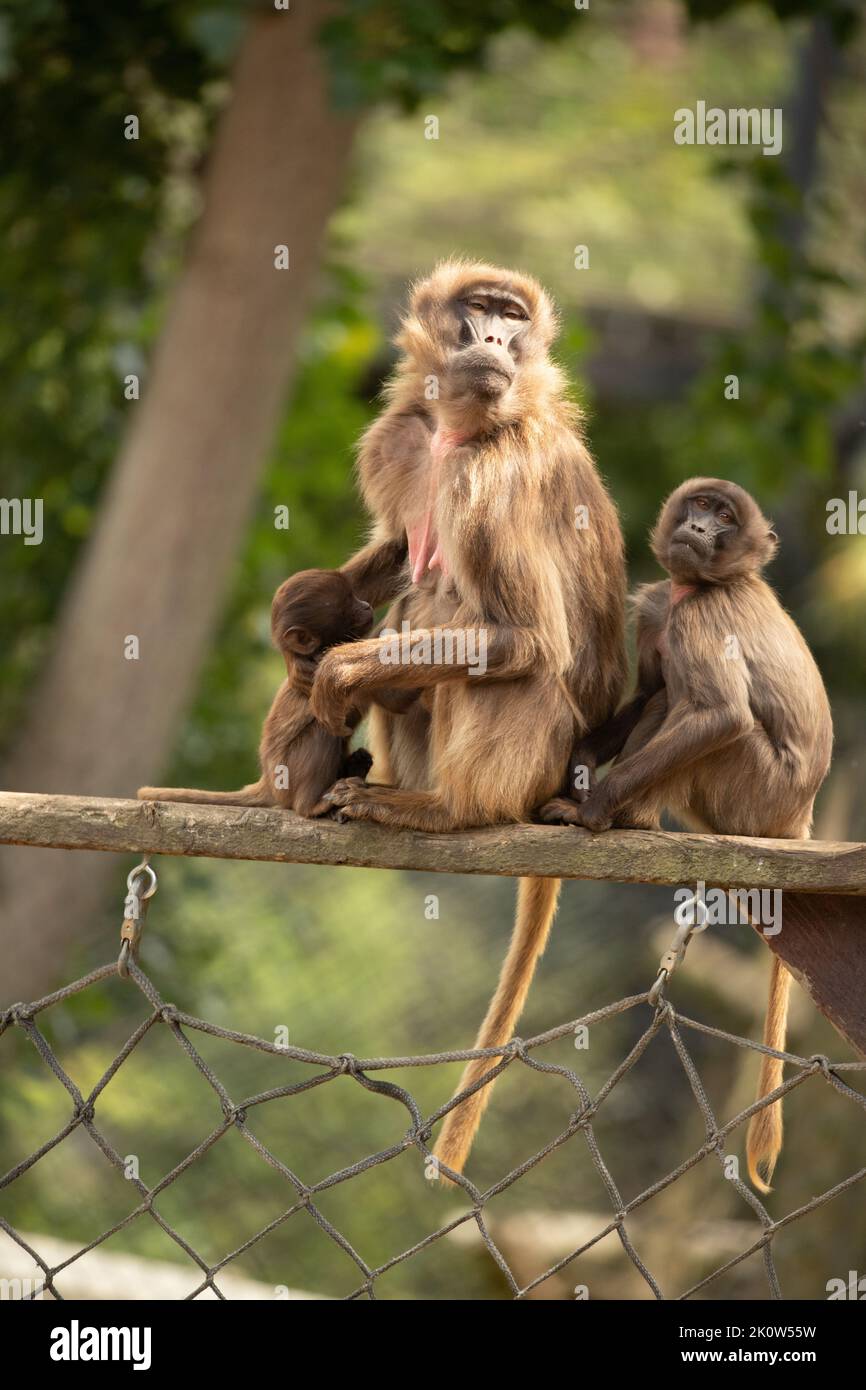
[(730, 729), (300, 759)]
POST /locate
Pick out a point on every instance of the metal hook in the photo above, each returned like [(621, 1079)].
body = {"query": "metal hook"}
[(145, 867), (675, 953), (134, 909), (696, 901)]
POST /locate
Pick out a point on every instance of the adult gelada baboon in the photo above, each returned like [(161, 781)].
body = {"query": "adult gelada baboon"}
[(478, 459), (730, 728)]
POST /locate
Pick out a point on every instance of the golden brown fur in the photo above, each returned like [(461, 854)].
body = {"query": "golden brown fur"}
[(299, 759), (536, 906), (485, 478), (730, 729)]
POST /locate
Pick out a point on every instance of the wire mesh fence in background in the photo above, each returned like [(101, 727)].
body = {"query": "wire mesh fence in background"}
[(302, 1197)]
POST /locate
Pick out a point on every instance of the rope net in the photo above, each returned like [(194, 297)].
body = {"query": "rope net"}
[(302, 1198)]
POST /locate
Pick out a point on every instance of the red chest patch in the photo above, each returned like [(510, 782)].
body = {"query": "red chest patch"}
[(424, 550), (678, 593), (681, 591)]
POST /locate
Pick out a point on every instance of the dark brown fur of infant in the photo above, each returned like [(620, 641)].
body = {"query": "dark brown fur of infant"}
[(312, 611)]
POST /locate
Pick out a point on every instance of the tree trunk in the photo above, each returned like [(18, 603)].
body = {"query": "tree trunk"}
[(182, 490)]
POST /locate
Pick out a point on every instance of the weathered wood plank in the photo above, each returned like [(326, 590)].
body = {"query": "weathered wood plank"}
[(70, 822)]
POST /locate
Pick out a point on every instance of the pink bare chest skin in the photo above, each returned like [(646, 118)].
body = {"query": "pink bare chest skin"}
[(425, 553), (678, 593)]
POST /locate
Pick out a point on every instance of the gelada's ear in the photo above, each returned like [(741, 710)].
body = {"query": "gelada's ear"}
[(772, 535), (301, 641)]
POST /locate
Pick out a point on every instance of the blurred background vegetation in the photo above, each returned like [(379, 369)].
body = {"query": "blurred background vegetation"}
[(555, 130)]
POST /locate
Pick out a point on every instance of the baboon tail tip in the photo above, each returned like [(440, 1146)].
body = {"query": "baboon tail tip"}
[(763, 1146)]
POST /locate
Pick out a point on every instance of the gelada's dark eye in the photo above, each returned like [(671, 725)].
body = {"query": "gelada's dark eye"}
[(725, 516), (477, 304), (512, 314), (703, 503)]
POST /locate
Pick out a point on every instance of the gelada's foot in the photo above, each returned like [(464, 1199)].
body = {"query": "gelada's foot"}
[(352, 799), (559, 811)]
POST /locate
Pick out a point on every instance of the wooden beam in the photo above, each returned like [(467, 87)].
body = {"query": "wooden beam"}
[(623, 856), (823, 936)]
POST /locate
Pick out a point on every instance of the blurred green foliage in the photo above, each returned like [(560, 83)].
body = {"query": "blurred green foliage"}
[(404, 50), (842, 15), (556, 144), (90, 225)]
